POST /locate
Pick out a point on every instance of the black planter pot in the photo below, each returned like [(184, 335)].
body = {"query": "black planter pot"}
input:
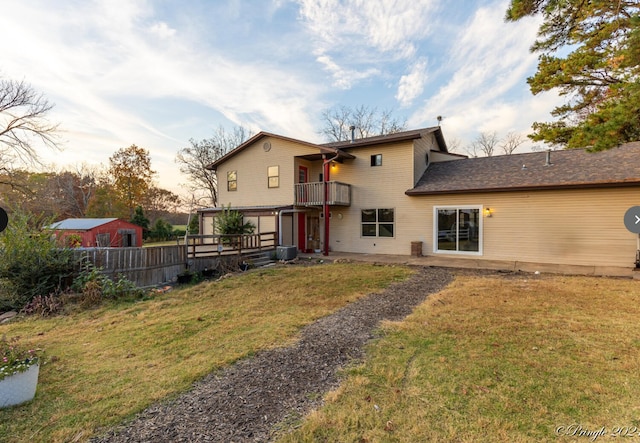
[(184, 278), (208, 273)]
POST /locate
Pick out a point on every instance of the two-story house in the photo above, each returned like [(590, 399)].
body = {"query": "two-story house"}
[(280, 185), (381, 195)]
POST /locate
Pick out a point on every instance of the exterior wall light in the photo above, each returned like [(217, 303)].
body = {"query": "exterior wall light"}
[(487, 212)]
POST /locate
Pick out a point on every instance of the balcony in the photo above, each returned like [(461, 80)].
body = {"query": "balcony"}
[(312, 194)]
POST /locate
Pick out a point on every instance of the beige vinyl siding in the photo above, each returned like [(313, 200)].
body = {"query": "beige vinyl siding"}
[(376, 187), (251, 165), (570, 227), (573, 227), (444, 157), (314, 169), (206, 224), (422, 148)]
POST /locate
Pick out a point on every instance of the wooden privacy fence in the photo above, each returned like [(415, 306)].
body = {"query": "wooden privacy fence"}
[(143, 266), (159, 264)]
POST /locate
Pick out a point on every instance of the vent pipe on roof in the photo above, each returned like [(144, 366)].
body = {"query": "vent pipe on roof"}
[(548, 159), (353, 133)]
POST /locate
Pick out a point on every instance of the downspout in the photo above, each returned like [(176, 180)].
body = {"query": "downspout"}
[(325, 203)]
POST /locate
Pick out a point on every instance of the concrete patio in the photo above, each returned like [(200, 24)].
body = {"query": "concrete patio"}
[(471, 263)]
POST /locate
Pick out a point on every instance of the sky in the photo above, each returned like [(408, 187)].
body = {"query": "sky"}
[(159, 73)]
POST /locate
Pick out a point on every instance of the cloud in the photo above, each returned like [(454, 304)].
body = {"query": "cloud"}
[(387, 25), (358, 33), (345, 78), (104, 51), (412, 85), (120, 73), (162, 30), (486, 68)]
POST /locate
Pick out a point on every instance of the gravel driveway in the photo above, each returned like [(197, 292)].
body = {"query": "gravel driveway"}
[(249, 400)]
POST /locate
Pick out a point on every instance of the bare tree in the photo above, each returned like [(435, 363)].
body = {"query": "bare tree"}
[(76, 188), (195, 158), (454, 145), (230, 140), (388, 124), (23, 123), (336, 123), (485, 143), (511, 142), (367, 121)]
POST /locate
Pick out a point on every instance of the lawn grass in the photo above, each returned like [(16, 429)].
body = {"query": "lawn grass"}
[(108, 363), (497, 359)]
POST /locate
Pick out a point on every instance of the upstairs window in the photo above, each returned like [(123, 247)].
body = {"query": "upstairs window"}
[(232, 181), (273, 176), (377, 222), (376, 160)]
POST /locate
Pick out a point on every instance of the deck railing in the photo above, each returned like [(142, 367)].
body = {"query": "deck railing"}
[(218, 244), (313, 194)]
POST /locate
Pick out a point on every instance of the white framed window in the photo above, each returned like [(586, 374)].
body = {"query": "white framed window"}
[(457, 230), (377, 222), (273, 176), (232, 181)]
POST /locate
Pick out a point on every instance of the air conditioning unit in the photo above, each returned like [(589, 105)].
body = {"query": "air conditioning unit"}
[(286, 252)]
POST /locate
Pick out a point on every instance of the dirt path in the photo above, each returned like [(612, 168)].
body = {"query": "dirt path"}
[(249, 400)]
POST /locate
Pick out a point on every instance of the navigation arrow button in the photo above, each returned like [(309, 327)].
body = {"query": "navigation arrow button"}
[(632, 219)]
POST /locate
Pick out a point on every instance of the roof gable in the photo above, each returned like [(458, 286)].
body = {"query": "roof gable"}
[(572, 168), (256, 138)]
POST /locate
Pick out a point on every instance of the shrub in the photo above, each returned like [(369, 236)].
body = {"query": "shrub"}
[(31, 263), (194, 226), (122, 288), (231, 222), (73, 241), (44, 305), (92, 287), (161, 231), (179, 233)]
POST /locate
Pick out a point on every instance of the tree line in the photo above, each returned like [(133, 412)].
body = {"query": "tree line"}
[(90, 191)]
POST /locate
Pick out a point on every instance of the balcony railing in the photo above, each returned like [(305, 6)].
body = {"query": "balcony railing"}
[(312, 194)]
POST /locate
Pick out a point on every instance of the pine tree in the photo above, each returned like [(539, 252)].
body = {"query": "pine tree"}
[(590, 52)]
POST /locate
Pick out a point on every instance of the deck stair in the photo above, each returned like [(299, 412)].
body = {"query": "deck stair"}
[(260, 259)]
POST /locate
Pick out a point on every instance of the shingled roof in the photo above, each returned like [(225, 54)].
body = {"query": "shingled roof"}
[(574, 168), (391, 138)]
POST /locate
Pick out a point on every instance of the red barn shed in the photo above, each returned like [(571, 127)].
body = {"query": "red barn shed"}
[(98, 232)]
